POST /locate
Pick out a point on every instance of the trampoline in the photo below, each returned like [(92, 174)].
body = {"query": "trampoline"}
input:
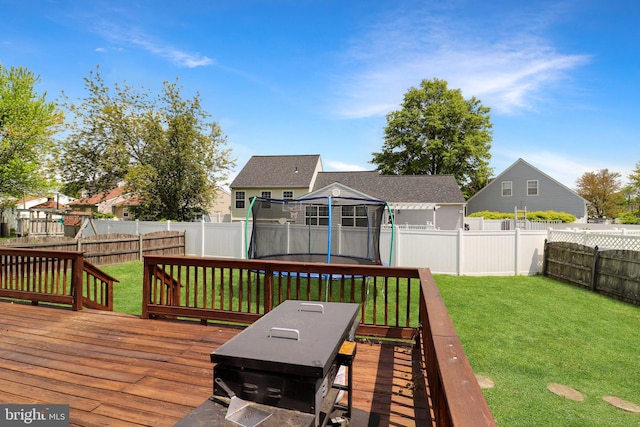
[(332, 230)]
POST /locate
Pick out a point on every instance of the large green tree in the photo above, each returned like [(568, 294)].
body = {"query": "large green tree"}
[(164, 147), (437, 131), (634, 179), (632, 190), (27, 125), (602, 190)]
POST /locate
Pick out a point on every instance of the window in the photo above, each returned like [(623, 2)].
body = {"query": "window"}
[(240, 195), (506, 188), (266, 204), (532, 188), (317, 215), (287, 195), (354, 216)]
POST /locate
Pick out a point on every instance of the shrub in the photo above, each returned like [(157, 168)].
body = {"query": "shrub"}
[(100, 215), (628, 218), (491, 215), (534, 216)]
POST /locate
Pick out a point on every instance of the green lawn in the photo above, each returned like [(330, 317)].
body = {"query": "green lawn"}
[(127, 293), (524, 333), (527, 332)]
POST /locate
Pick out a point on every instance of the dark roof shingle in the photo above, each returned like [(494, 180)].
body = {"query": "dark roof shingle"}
[(277, 171), (397, 188)]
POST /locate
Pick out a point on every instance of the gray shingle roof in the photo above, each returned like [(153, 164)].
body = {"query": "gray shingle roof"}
[(397, 188), (277, 171)]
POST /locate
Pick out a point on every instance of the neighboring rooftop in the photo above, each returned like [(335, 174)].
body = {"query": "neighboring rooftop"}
[(277, 172), (100, 197), (396, 188)]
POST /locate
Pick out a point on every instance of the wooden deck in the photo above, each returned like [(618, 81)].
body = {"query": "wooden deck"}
[(119, 370)]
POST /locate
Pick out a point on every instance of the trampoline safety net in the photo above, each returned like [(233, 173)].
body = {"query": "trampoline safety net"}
[(338, 230)]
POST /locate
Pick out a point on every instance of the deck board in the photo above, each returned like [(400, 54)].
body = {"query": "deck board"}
[(119, 370)]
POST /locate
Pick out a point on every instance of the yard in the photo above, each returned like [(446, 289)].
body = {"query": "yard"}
[(524, 333)]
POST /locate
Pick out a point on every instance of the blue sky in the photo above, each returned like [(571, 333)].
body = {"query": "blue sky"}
[(318, 77)]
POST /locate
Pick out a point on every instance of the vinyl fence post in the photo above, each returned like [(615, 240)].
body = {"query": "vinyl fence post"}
[(397, 251), (516, 251), (243, 240), (460, 244), (201, 238)]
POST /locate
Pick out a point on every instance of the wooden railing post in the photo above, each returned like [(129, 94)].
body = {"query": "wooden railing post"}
[(146, 289), (76, 286), (268, 288)]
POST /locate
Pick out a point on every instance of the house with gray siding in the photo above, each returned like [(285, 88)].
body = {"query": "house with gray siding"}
[(524, 187), (433, 200)]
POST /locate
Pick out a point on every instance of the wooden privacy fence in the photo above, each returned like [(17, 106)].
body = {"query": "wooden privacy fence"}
[(106, 249), (611, 272), (395, 303), (60, 277)]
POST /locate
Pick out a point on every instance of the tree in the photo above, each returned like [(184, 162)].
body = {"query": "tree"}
[(602, 190), (162, 146), (437, 131), (183, 156), (27, 125)]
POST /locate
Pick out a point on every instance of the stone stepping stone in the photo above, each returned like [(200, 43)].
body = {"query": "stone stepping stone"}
[(484, 382), (622, 404), (566, 392)]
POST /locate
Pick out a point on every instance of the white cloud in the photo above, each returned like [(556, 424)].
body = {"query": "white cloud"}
[(507, 69), (178, 57), (122, 34)]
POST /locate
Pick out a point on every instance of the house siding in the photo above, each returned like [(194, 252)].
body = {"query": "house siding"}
[(551, 194), (276, 193)]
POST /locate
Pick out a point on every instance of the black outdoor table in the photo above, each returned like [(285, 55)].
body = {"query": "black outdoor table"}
[(288, 358)]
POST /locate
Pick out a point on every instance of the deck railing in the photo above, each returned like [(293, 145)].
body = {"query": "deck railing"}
[(395, 302), (456, 397), (60, 277)]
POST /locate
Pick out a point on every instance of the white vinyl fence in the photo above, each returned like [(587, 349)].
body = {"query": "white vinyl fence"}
[(603, 239), (457, 252)]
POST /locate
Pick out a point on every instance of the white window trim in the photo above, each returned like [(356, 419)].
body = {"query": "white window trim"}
[(510, 188), (236, 199), (266, 205), (293, 195), (315, 217), (537, 187)]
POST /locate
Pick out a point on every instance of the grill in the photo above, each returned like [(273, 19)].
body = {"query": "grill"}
[(288, 358)]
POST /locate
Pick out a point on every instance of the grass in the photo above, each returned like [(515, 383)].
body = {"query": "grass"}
[(127, 293), (527, 332), (524, 333)]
